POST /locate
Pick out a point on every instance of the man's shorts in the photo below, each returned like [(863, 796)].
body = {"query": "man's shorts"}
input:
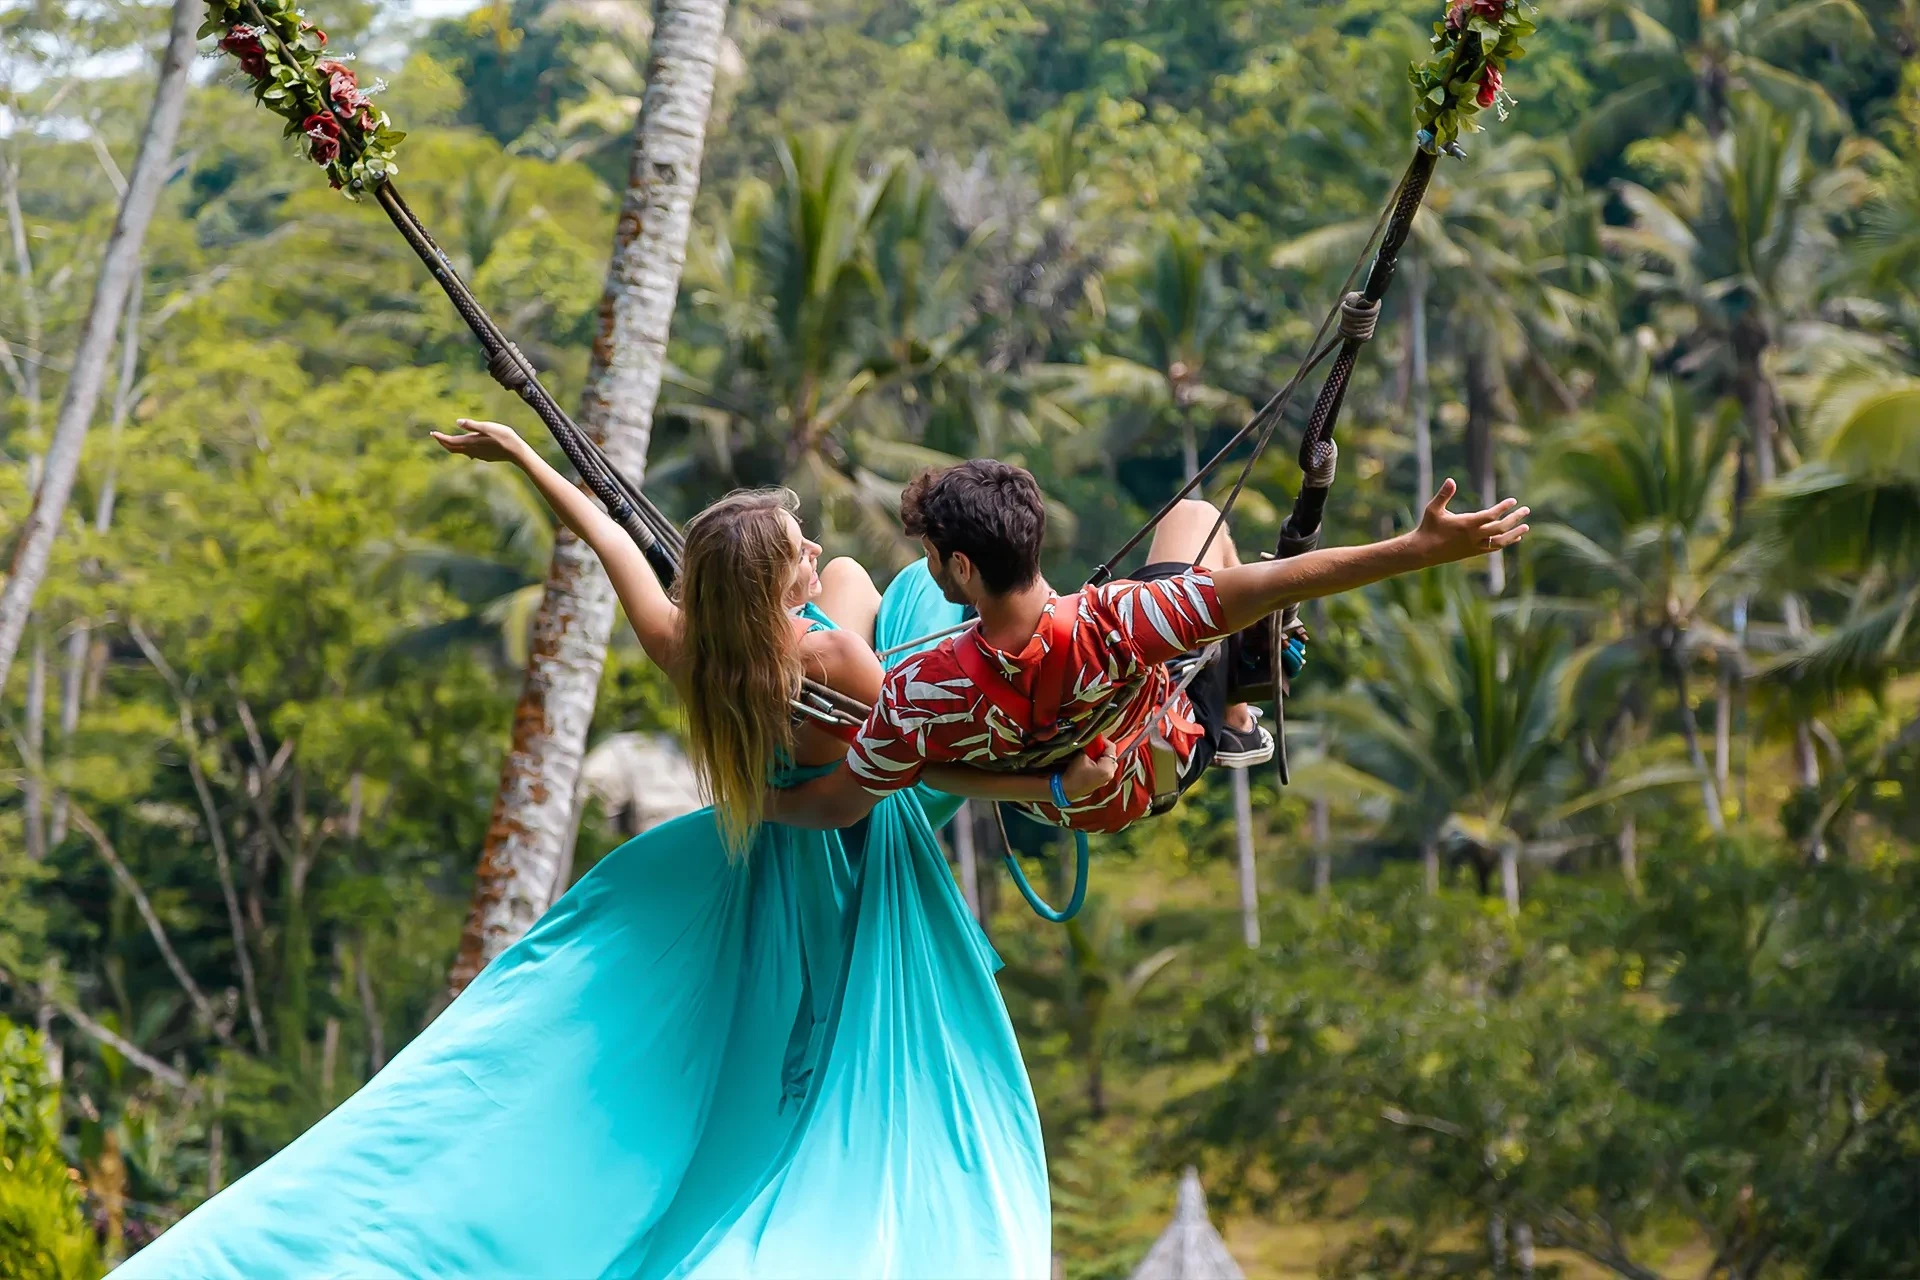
[(1208, 691)]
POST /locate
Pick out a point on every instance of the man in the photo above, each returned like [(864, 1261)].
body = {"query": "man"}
[(1036, 671)]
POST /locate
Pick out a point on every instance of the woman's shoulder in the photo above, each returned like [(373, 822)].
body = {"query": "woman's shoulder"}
[(842, 661)]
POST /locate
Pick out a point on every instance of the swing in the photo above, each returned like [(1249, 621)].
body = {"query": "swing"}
[(1472, 45)]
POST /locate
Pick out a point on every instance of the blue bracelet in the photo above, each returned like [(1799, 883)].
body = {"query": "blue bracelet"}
[(1060, 800)]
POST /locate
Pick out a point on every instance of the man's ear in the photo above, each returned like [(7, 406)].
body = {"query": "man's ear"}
[(959, 567)]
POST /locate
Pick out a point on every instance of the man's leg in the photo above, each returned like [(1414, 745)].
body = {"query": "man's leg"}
[(1178, 539)]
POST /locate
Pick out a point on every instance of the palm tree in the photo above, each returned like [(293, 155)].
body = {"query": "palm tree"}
[(1853, 510), (1690, 57), (1744, 237), (1645, 482), (1465, 722), (1848, 521), (532, 828), (834, 337), (1472, 756)]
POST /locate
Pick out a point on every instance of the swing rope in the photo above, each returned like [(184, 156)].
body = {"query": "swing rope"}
[(1442, 113)]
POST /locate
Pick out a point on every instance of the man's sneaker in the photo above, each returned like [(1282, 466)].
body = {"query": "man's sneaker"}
[(1244, 748)]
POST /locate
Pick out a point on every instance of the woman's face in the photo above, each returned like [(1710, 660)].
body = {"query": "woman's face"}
[(805, 583)]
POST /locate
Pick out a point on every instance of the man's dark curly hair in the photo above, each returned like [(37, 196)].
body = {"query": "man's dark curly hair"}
[(987, 511)]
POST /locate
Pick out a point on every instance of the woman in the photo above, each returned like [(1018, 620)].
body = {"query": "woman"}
[(755, 614), (789, 1065)]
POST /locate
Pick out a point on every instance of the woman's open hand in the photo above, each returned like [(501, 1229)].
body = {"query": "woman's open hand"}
[(483, 441)]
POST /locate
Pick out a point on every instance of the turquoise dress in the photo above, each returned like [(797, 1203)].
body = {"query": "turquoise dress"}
[(795, 1065)]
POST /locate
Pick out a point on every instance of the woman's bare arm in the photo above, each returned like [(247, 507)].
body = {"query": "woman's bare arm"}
[(654, 615)]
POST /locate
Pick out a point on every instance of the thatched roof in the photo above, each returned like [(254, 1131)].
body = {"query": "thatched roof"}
[(1189, 1249)]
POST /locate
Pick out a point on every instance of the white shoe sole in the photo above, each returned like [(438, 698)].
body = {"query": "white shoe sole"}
[(1248, 758)]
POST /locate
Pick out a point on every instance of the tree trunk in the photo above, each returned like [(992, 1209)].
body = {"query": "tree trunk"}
[(56, 1059), (967, 855), (1249, 882), (1321, 816), (1627, 842), (34, 793), (1723, 730), (1523, 1250), (109, 1187), (29, 293), (1690, 731), (1430, 866), (369, 1013), (1806, 763), (1488, 404), (1249, 873), (1422, 390), (531, 811), (216, 1144), (79, 641), (330, 1032), (89, 370), (1510, 878)]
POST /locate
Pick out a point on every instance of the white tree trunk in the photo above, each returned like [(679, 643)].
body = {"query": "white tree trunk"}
[(1322, 849), (34, 792), (1723, 730), (1627, 842), (1510, 878), (967, 854), (1430, 866), (533, 810), (1249, 872), (1805, 762), (28, 381), (117, 269), (1422, 392), (80, 638)]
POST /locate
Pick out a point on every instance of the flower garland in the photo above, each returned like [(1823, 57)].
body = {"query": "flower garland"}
[(319, 97), (1466, 74)]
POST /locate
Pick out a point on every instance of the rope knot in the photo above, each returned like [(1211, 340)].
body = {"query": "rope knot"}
[(510, 369), (1358, 317)]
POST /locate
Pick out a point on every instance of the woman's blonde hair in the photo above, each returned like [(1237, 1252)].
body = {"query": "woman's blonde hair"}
[(742, 653)]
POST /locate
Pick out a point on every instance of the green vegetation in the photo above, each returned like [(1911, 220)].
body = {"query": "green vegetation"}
[(1590, 930)]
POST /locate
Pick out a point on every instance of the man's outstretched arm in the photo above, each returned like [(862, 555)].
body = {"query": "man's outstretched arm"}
[(1249, 592)]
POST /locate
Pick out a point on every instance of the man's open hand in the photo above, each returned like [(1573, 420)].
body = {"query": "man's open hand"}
[(1446, 536)]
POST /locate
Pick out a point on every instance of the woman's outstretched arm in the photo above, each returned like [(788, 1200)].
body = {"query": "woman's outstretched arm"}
[(654, 615)]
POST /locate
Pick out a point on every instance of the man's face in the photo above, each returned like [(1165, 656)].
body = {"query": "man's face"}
[(948, 574)]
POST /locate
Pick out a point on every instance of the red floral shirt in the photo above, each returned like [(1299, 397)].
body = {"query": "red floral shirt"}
[(930, 712)]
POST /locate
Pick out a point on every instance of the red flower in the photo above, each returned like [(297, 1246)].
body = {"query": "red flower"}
[(244, 44), (341, 85), (324, 131), (320, 35), (1489, 86), (1459, 10)]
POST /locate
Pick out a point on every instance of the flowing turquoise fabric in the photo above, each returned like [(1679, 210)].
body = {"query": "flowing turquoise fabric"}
[(794, 1066)]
